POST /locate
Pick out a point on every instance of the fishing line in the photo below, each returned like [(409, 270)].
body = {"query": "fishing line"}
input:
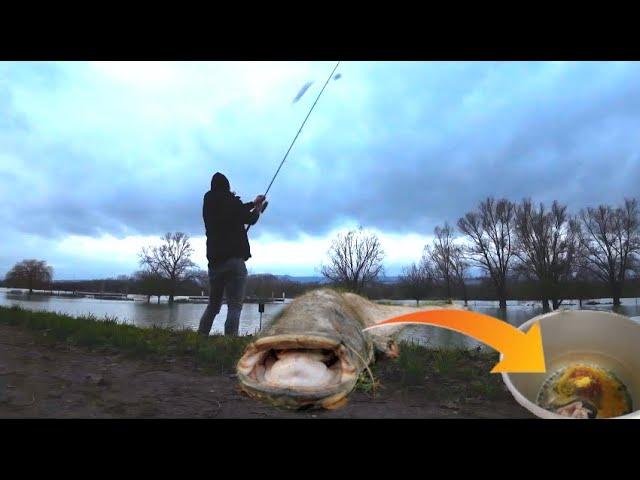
[(296, 137), (366, 365)]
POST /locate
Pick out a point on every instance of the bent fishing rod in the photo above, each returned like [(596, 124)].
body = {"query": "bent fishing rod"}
[(264, 207)]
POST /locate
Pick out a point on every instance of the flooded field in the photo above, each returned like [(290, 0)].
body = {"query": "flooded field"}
[(186, 315)]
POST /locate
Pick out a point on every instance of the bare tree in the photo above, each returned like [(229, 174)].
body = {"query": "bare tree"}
[(150, 283), (610, 238), (29, 274), (582, 278), (547, 247), (123, 283), (416, 280), (491, 230), (440, 254), (459, 266), (355, 260), (171, 260)]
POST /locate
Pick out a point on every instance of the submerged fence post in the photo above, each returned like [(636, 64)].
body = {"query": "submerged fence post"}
[(261, 310)]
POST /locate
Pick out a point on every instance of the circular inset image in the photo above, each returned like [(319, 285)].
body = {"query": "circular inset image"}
[(585, 391), (592, 365)]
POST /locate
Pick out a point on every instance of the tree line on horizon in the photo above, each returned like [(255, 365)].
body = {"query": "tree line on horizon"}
[(552, 251), (522, 250)]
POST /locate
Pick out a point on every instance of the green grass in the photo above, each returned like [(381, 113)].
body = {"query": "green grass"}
[(216, 353), (459, 363), (366, 383), (444, 373)]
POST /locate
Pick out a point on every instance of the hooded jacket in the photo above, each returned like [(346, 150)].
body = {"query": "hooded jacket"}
[(225, 217)]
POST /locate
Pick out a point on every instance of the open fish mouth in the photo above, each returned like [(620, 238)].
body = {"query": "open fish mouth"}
[(298, 370), (312, 353)]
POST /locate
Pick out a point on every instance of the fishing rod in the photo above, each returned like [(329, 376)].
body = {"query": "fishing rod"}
[(264, 207)]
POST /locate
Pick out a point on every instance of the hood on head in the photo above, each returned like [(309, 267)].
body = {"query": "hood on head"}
[(219, 183)]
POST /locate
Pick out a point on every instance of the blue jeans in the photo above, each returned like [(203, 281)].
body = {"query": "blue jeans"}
[(229, 276)]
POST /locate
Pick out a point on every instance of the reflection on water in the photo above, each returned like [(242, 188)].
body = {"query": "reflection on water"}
[(185, 315), (140, 313)]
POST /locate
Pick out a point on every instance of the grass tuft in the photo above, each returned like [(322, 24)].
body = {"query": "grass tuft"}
[(366, 384), (217, 352)]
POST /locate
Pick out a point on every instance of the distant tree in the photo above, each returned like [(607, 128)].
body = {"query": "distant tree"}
[(491, 230), (171, 260), (29, 274), (264, 285), (459, 267), (355, 260), (416, 280), (201, 279), (447, 259), (610, 238), (583, 284), (122, 283), (547, 247), (150, 283), (440, 254)]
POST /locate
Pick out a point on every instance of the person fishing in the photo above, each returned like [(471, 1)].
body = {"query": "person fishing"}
[(227, 243), (225, 217)]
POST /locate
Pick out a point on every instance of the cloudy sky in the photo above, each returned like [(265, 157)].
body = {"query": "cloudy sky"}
[(98, 159)]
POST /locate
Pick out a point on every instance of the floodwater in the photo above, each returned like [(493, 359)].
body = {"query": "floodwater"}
[(516, 313), (186, 315), (139, 312)]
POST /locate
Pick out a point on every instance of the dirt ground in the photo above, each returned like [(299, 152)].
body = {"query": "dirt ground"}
[(58, 381)]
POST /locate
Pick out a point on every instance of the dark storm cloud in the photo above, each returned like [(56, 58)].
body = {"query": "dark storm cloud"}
[(396, 146), (571, 137)]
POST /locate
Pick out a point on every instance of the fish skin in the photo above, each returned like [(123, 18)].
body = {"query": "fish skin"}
[(323, 318)]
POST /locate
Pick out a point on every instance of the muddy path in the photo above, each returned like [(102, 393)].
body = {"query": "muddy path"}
[(57, 381)]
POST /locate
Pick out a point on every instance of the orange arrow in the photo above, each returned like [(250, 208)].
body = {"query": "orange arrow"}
[(521, 352)]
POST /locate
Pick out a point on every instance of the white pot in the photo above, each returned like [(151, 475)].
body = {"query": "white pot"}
[(606, 339)]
